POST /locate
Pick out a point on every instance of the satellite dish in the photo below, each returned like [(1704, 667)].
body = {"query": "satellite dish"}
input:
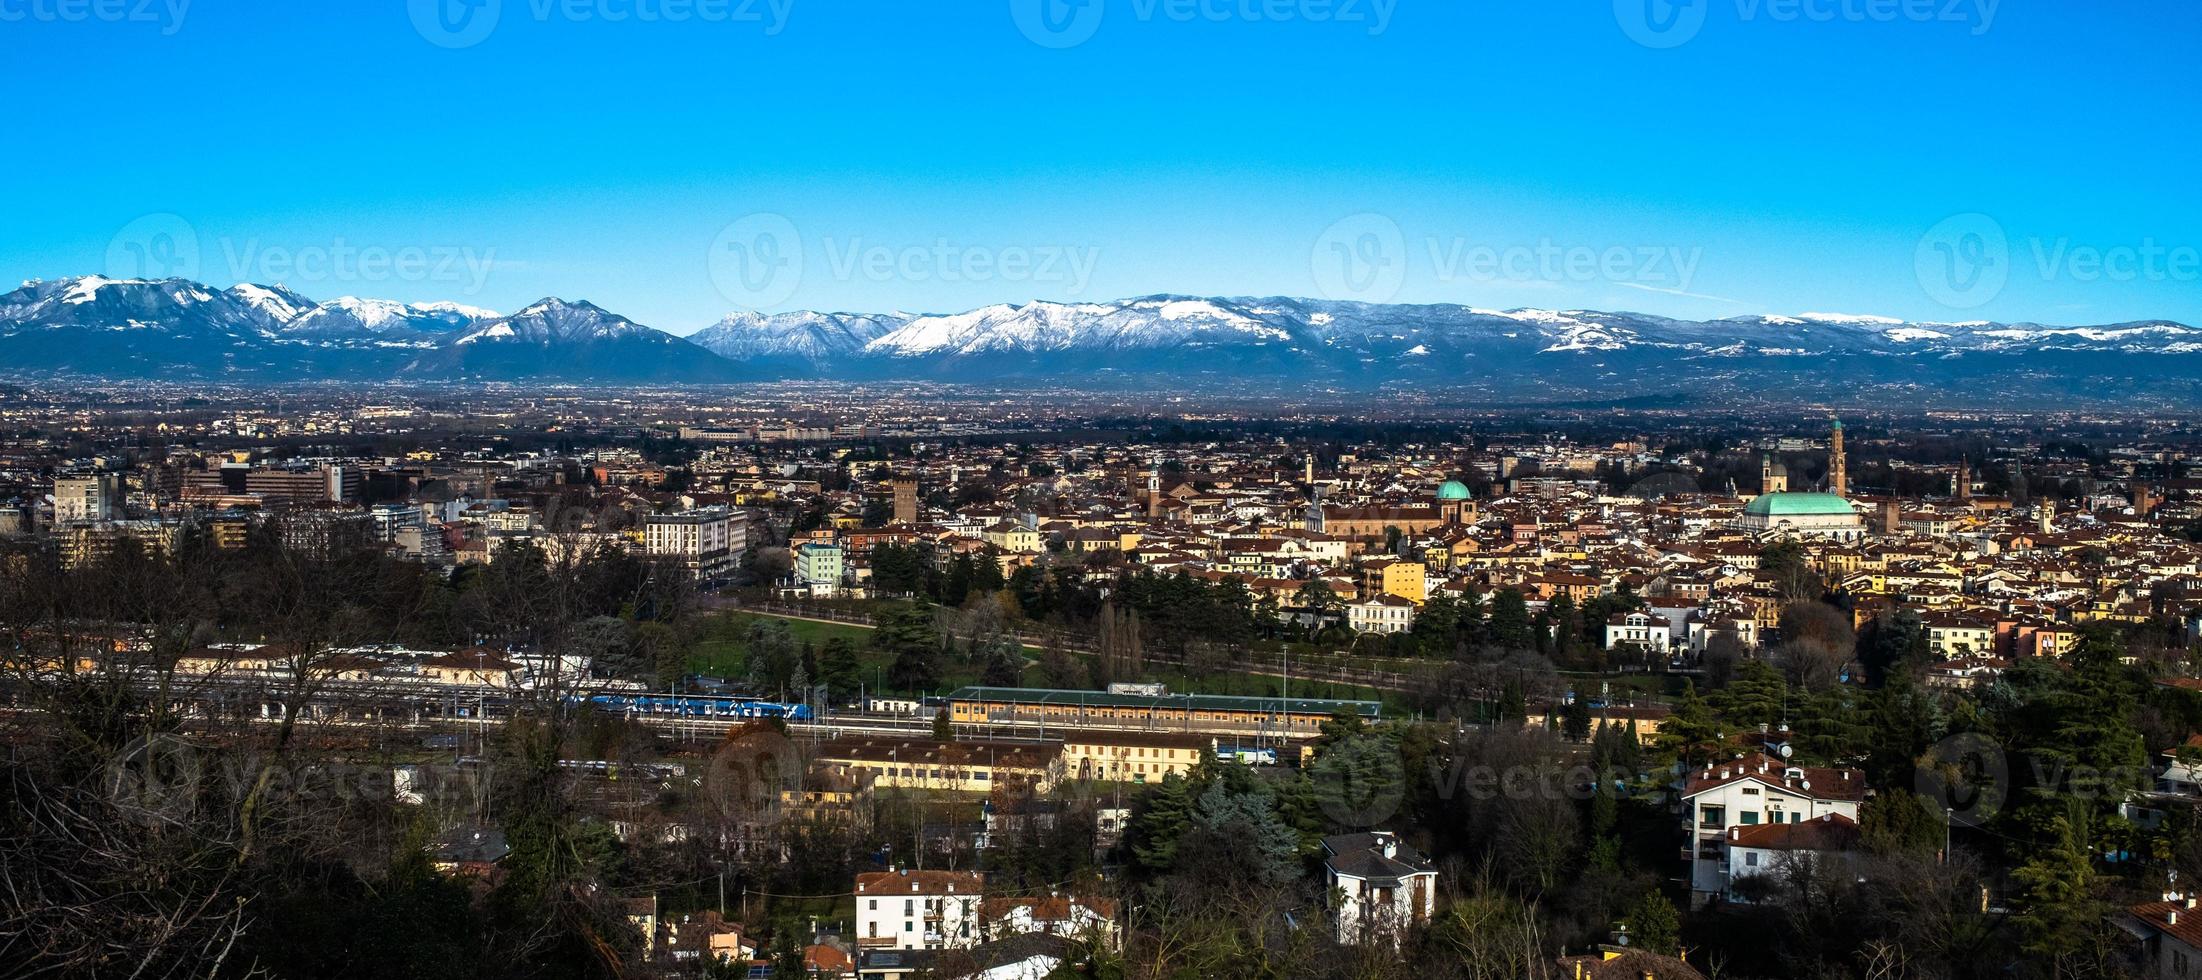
[(1786, 751)]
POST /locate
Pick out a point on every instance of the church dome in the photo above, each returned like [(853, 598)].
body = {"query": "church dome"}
[(1452, 490), (1798, 505)]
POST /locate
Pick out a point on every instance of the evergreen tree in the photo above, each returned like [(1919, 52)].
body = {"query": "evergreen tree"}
[(1158, 821), (1509, 620)]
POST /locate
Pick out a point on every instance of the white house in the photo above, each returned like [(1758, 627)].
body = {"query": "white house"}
[(1378, 886), (1772, 848), (1751, 793), (1385, 613), (918, 909), (2170, 934), (1054, 915), (1641, 630)]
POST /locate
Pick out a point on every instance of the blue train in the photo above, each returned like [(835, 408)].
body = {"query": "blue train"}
[(701, 706)]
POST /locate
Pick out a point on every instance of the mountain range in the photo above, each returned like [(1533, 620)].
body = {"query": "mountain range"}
[(176, 329)]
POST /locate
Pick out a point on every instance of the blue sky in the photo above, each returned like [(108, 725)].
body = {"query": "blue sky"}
[(669, 159)]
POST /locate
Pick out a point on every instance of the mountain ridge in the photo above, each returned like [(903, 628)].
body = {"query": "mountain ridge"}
[(178, 329)]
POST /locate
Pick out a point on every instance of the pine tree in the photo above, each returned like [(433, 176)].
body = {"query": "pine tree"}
[(1509, 620)]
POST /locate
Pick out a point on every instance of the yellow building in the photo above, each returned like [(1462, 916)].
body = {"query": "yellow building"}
[(1408, 580), (958, 767), (1132, 757), (1204, 713)]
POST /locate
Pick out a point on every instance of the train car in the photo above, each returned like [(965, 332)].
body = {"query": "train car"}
[(700, 706)]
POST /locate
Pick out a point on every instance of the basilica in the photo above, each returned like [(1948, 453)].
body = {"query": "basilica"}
[(1828, 514)]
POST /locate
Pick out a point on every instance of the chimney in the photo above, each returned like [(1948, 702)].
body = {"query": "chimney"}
[(1735, 833), (2171, 917)]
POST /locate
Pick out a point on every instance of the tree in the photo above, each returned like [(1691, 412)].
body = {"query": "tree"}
[(1509, 620), (839, 669), (1158, 821), (942, 730), (1001, 662), (1654, 924), (909, 633), (1575, 719), (2062, 918)]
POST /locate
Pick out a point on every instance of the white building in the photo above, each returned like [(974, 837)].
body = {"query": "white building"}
[(818, 566), (1378, 886), (708, 540), (1054, 915), (1385, 613), (1641, 630), (87, 497), (918, 909), (1751, 793), (1774, 848), (1823, 515)]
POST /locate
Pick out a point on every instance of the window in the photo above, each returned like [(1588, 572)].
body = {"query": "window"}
[(1750, 818), (1751, 859), (1711, 816)]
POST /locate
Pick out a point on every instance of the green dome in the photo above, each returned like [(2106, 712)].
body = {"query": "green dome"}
[(1798, 505), (1452, 490)]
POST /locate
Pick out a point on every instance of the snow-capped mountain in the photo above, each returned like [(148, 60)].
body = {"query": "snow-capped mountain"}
[(385, 321), (179, 329), (271, 306), (814, 341), (574, 341)]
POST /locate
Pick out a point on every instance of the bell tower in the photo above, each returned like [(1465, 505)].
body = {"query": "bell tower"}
[(1838, 464), (1773, 476)]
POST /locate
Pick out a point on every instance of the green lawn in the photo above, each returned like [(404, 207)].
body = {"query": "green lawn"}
[(720, 653)]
